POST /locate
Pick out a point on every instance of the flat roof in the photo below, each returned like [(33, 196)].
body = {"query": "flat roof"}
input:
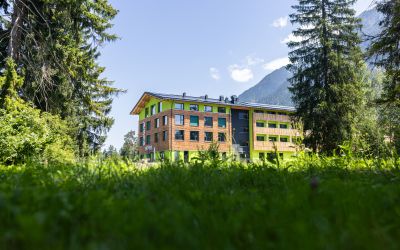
[(203, 99)]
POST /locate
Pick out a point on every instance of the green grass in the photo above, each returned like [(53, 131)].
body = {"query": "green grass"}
[(328, 203)]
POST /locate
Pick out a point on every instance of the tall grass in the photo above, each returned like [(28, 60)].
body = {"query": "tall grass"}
[(309, 202)]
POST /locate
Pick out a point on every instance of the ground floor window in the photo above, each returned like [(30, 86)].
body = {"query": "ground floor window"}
[(261, 156), (162, 155), (176, 155)]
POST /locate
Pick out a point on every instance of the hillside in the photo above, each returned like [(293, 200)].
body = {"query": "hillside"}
[(273, 88)]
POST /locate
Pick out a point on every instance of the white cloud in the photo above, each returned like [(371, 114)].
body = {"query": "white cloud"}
[(276, 64), (280, 22), (250, 60), (292, 38), (214, 73), (240, 73)]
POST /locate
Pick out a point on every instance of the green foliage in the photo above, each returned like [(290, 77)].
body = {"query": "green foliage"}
[(27, 133), (309, 203), (327, 85), (211, 155), (56, 49), (129, 148)]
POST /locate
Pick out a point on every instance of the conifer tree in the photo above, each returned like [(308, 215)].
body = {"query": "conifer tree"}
[(385, 52), (325, 60)]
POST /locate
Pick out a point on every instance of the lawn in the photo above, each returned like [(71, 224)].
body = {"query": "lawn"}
[(309, 203)]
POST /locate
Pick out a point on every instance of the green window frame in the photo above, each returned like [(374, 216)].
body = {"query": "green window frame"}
[(260, 124), (283, 126), (272, 125), (272, 138), (260, 137)]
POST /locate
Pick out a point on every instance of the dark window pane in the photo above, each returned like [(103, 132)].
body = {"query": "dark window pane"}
[(208, 121), (260, 124), (179, 135), (260, 138), (148, 125), (222, 122), (208, 136), (221, 110), (283, 126), (221, 137), (194, 135), (194, 120), (194, 107), (271, 125)]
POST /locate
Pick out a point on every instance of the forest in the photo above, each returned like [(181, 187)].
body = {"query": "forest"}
[(60, 190)]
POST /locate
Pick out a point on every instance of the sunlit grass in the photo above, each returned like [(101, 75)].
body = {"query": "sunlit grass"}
[(307, 203)]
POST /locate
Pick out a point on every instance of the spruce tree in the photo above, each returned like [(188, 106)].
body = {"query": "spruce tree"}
[(326, 85), (385, 53)]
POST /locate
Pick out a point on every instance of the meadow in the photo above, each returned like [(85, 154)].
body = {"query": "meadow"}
[(308, 203)]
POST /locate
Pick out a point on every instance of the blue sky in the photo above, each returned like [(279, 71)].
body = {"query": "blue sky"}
[(202, 47)]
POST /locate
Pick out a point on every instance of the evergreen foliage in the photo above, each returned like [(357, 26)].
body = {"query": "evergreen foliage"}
[(385, 50), (55, 46), (129, 148), (327, 83)]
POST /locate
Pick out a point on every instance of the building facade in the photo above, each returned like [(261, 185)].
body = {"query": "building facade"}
[(177, 127)]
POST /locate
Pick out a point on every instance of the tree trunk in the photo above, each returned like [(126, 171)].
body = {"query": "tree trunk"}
[(18, 16)]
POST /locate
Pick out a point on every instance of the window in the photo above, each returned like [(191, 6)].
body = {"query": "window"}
[(156, 123), (271, 125), (244, 129), (165, 120), (260, 138), (272, 138), (221, 137), (281, 113), (141, 141), (153, 109), (194, 107), (260, 124), (259, 112), (271, 112), (162, 155), (155, 137), (208, 121), (244, 144), (261, 156), (222, 110), (141, 127), (148, 125), (194, 135), (208, 136), (164, 135), (179, 135), (283, 139), (194, 120), (243, 116), (148, 139), (222, 122), (179, 106), (179, 119), (284, 126), (146, 112), (208, 109), (159, 107)]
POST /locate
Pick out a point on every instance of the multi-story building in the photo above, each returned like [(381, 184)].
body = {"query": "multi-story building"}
[(178, 126)]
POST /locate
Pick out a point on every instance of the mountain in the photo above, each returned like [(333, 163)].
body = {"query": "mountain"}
[(273, 88)]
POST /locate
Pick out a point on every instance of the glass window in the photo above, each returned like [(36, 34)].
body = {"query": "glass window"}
[(208, 121), (208, 109), (159, 107), (271, 125), (164, 135), (261, 156), (283, 139), (260, 124), (141, 141), (153, 109), (156, 122), (194, 135), (281, 113), (148, 125), (194, 107), (165, 120), (162, 155), (221, 137), (222, 122), (194, 120), (271, 112), (179, 135), (148, 139), (221, 110), (272, 138), (141, 127), (243, 116), (208, 136), (179, 106), (179, 120), (284, 126), (155, 137), (146, 112), (260, 138), (258, 112)]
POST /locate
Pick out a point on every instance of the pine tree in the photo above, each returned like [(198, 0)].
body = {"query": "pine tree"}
[(385, 52), (326, 85), (55, 45)]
